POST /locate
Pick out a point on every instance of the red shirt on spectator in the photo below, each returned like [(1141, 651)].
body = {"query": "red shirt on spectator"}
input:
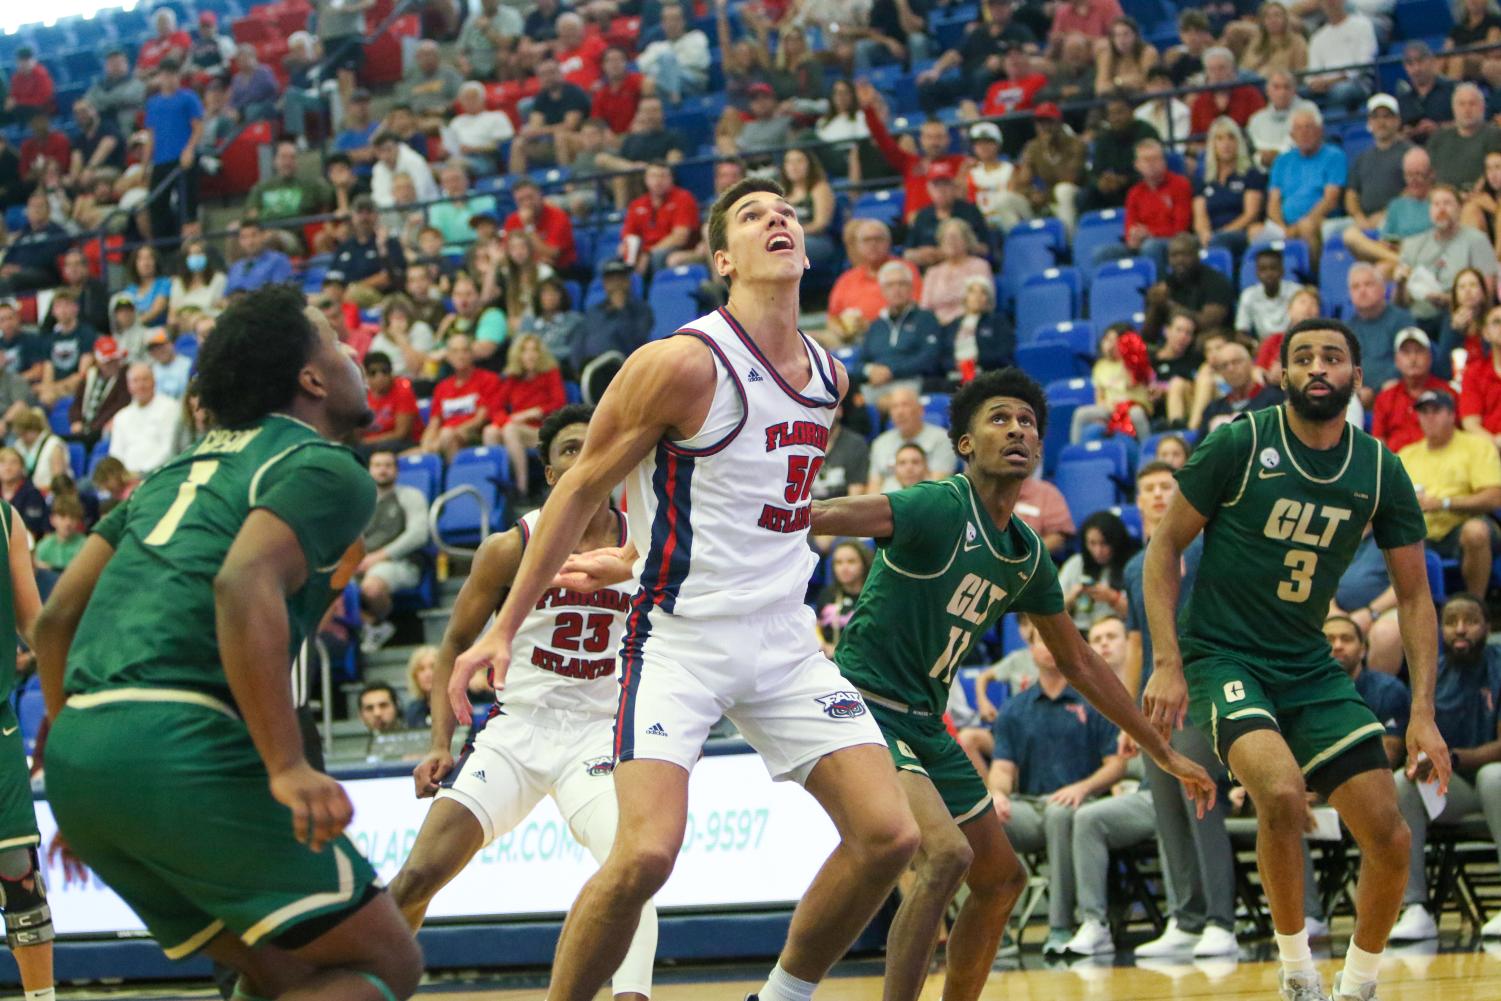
[(399, 400), (1480, 394), (1042, 506), (33, 89), (457, 401), (654, 223), (1244, 102), (156, 48), (615, 104), (1392, 418), (544, 390), (556, 230), (581, 65), (1094, 21), (54, 146), (858, 289), (1165, 210), (912, 166), (1006, 96)]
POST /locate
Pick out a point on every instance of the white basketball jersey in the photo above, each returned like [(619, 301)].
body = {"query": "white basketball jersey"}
[(563, 656), (722, 518)]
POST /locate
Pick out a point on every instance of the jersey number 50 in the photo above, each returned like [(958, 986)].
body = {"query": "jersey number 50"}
[(802, 470)]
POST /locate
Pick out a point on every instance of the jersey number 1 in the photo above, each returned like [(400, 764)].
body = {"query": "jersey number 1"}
[(199, 473)]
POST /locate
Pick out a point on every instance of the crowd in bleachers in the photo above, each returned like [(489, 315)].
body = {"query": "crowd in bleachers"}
[(495, 203)]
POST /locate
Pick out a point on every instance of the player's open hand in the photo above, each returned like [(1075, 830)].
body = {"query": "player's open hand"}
[(74, 870), (1166, 700), (490, 653), (430, 772), (1423, 738), (1197, 784), (586, 572), (320, 806)]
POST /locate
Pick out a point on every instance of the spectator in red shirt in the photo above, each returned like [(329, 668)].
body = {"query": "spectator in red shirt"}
[(1015, 90), (1239, 104), (1158, 208), (1480, 387), (856, 298), (393, 403), (42, 145), (661, 221), (31, 87), (932, 147), (618, 94), (462, 403), (578, 54), (1393, 418), (531, 388), (167, 42), (1088, 17), (549, 227)]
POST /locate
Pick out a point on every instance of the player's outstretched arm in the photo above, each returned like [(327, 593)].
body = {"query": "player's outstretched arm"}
[(663, 390), (1166, 697), (1094, 679), (1406, 566), (865, 516), (264, 565), (58, 620), (490, 577)]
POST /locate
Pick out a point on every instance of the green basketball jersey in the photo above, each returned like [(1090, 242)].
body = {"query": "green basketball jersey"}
[(7, 608), (939, 583), (150, 622), (1284, 523)]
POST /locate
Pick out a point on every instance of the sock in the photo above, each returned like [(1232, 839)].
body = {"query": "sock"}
[(45, 994), (1296, 957), (783, 986), (1360, 968)]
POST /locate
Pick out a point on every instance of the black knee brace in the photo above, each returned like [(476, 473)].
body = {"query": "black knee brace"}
[(23, 898)]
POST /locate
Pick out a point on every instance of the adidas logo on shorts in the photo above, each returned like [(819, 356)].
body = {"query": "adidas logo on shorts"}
[(753, 376), (656, 730)]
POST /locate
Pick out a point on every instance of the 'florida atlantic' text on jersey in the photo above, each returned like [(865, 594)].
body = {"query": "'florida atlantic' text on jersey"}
[(722, 518)]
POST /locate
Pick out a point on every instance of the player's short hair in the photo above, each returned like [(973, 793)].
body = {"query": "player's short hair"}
[(574, 413), (1155, 466), (1352, 343), (719, 213), (1011, 382), (250, 367), (1359, 632)]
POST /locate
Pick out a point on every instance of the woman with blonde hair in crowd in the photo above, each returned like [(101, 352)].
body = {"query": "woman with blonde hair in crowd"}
[(44, 454), (531, 388), (1279, 43), (944, 284), (1231, 192), (416, 713)]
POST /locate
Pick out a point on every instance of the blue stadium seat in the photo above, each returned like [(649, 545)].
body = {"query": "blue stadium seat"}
[(423, 471), (78, 459), (1421, 18), (1121, 455), (1077, 334), (488, 471), (1295, 260), (1047, 298), (30, 711), (1220, 260), (1049, 361), (935, 409), (186, 345), (572, 393), (57, 417), (1086, 486), (671, 298), (997, 691), (596, 290), (98, 455), (1130, 514), (1334, 274), (1078, 391), (1050, 225), (1117, 294), (885, 205), (1026, 253), (1435, 576), (1060, 423), (1098, 229)]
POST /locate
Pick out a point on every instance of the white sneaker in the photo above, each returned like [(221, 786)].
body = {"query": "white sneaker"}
[(1317, 929), (1365, 992), (1492, 928), (1092, 939), (376, 636), (1415, 925), (1216, 941), (1301, 986), (1174, 941)]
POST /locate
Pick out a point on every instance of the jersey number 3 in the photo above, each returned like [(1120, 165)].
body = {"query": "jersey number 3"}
[(1303, 564)]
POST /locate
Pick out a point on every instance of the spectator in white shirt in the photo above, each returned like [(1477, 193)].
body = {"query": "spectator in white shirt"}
[(171, 370), (1345, 40), (1262, 310), (476, 134), (1270, 129), (392, 157), (143, 432), (677, 65)]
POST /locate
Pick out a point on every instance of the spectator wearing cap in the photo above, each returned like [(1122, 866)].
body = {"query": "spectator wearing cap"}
[(30, 262), (126, 328), (978, 59), (765, 128), (174, 120), (620, 323), (677, 64), (661, 221), (1425, 98), (1015, 91), (1399, 217), (988, 180), (545, 224), (253, 90), (341, 29), (557, 111), (1457, 475), (1442, 252), (1270, 129), (99, 391), (171, 370), (857, 298), (117, 94), (1051, 167), (1238, 103), (42, 146), (259, 264), (489, 33), (945, 203), (143, 431), (1378, 174), (1346, 39), (1114, 154), (904, 344), (1394, 417), (932, 146), (31, 87), (210, 53), (393, 157), (1306, 182), (1459, 148), (169, 44)]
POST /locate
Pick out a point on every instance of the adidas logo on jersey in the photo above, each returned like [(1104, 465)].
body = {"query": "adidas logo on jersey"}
[(479, 775), (753, 376), (656, 730)]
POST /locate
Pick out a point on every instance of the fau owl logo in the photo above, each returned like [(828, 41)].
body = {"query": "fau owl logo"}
[(842, 705), (599, 766)]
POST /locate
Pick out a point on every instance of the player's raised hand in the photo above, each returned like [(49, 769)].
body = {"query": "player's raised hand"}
[(1165, 700), (489, 653), (586, 572), (320, 806), (1196, 781), (430, 772), (1423, 738)]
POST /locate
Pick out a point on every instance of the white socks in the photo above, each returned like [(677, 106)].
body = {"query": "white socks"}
[(1296, 957), (783, 986), (45, 994), (1360, 968)]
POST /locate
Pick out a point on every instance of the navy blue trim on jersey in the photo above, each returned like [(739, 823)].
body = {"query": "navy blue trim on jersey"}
[(739, 390), (621, 525), (830, 381), (671, 545), (638, 628), (776, 376)]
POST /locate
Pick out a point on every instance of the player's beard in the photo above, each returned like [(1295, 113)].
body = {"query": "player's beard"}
[(1320, 408)]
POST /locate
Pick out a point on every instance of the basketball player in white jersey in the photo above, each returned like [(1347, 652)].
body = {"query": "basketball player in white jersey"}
[(719, 433), (552, 734)]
